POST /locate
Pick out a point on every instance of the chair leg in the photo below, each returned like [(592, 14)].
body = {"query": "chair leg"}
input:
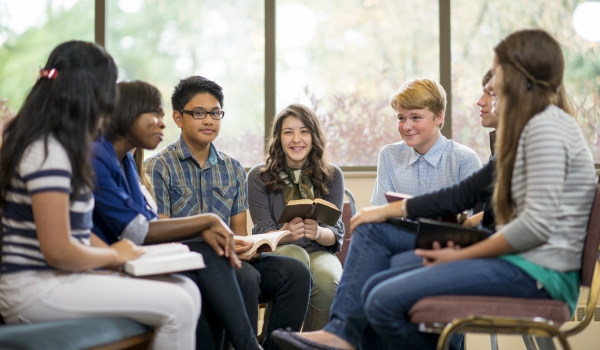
[(529, 342), (545, 343), (494, 341)]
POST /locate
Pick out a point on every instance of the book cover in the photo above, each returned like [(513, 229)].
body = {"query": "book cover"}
[(396, 196), (263, 242), (164, 258), (437, 231), (318, 209)]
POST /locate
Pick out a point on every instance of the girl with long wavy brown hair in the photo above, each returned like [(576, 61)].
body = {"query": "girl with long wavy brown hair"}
[(297, 167)]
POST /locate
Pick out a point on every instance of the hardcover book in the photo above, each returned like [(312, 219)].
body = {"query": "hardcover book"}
[(396, 196), (164, 258), (437, 231), (317, 209)]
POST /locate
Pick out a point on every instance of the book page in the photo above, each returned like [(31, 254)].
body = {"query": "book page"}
[(324, 202), (300, 201)]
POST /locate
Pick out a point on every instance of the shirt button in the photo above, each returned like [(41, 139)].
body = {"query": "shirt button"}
[(422, 183)]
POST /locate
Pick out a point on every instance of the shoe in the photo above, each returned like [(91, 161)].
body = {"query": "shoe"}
[(290, 340)]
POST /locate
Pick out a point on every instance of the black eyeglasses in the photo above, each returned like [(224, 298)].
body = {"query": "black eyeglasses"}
[(199, 114)]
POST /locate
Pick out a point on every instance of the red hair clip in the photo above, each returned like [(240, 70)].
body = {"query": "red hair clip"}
[(49, 73)]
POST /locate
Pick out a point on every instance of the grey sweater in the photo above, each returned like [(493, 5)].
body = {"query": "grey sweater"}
[(553, 186), (266, 208)]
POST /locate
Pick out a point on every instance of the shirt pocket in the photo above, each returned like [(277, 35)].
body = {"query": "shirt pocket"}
[(183, 202), (221, 200)]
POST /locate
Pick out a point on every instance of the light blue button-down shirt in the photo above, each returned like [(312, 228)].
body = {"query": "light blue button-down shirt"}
[(401, 169)]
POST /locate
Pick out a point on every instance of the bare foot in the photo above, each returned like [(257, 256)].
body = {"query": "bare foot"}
[(326, 338)]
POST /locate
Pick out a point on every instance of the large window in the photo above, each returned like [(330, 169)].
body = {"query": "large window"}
[(163, 41), (345, 58), (342, 58), (29, 30), (478, 25)]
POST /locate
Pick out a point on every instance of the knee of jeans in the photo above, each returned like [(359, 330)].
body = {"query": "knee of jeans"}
[(368, 287), (296, 252), (375, 312), (248, 277)]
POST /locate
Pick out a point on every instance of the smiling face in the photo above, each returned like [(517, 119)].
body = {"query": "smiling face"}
[(146, 131), (419, 128), (488, 119), (199, 131), (296, 141)]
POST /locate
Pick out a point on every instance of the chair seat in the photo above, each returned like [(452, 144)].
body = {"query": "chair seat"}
[(445, 309), (74, 334)]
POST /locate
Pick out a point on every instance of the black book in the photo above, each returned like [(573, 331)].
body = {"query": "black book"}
[(437, 231), (408, 225)]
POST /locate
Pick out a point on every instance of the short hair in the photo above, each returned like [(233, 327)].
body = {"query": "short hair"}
[(487, 77), (135, 98), (192, 86), (421, 93)]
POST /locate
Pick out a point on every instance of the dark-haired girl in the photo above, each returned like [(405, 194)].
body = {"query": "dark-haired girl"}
[(297, 167), (48, 250)]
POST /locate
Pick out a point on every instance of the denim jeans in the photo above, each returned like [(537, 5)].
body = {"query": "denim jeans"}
[(389, 295), (222, 305), (371, 250), (285, 283)]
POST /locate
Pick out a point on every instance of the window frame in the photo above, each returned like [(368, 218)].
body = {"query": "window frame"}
[(445, 60)]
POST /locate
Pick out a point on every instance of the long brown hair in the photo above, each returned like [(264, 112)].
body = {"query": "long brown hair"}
[(318, 157), (532, 65)]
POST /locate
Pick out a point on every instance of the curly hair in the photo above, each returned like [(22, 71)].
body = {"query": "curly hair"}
[(322, 171)]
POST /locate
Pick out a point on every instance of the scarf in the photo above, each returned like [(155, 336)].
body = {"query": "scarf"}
[(297, 182)]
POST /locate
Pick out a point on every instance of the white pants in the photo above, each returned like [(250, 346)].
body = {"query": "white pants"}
[(171, 304)]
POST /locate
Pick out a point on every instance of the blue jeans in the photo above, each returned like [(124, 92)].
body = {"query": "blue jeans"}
[(371, 250), (389, 295)]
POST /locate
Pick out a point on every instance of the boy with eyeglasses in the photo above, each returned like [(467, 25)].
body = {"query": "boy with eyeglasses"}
[(191, 176)]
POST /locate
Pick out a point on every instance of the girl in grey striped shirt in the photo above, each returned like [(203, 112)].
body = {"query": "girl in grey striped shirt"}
[(545, 186)]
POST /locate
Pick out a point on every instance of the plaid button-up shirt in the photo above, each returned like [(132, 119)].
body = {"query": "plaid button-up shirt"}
[(184, 188)]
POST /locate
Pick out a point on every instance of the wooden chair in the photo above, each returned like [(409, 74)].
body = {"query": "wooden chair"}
[(532, 318), (348, 212)]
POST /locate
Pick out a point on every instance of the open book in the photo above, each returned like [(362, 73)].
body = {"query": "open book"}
[(164, 258), (317, 209), (437, 231), (263, 242)]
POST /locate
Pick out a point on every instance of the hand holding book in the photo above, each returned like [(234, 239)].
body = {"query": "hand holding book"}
[(317, 209)]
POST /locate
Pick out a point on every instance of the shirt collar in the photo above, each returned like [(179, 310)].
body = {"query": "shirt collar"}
[(183, 152), (434, 154)]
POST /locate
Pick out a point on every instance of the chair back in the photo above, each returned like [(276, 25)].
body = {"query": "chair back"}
[(592, 242)]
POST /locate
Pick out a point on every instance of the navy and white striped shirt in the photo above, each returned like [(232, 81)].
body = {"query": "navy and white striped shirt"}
[(35, 174)]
